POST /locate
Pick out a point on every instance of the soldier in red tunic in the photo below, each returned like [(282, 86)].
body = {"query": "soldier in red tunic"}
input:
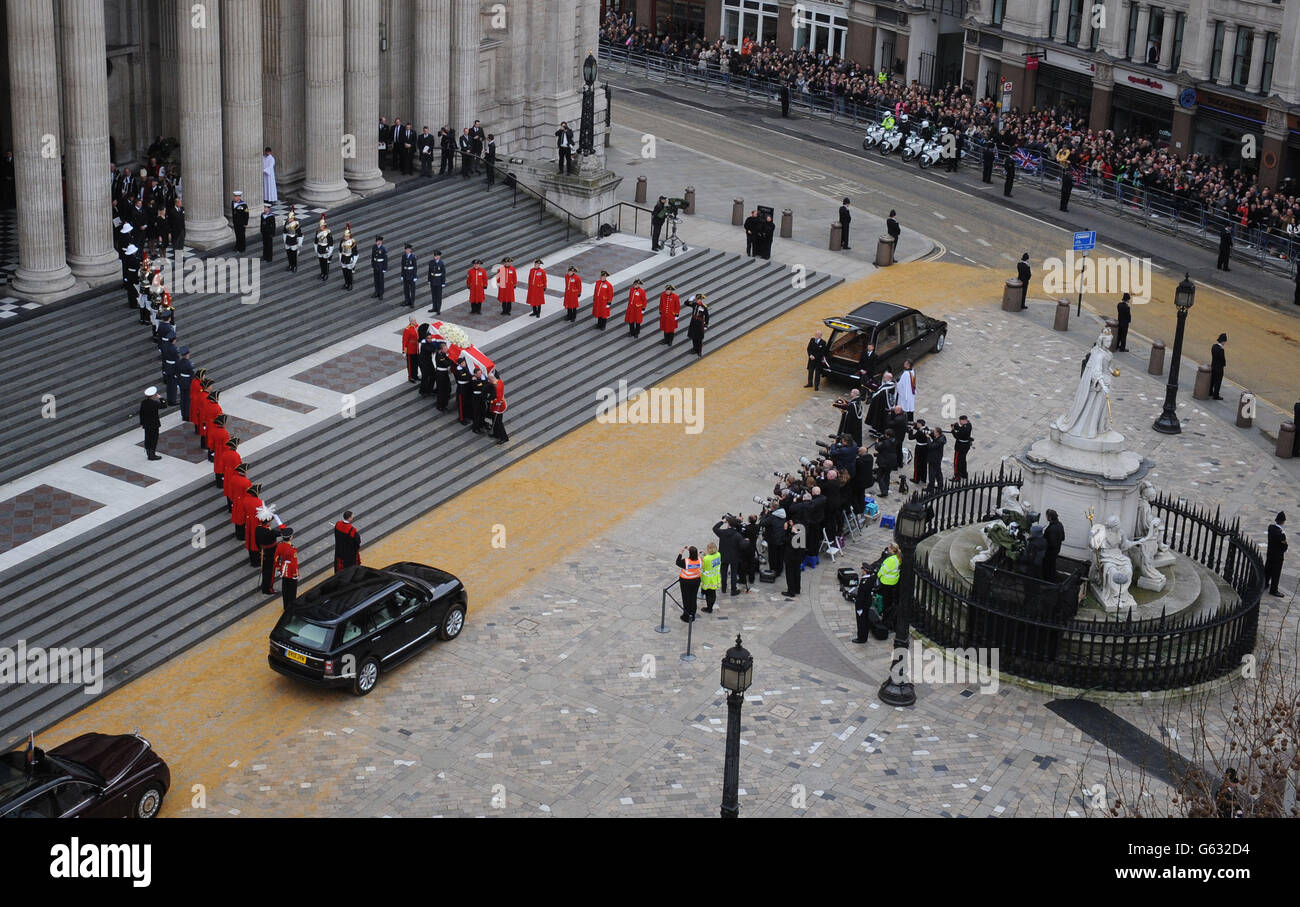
[(286, 567), (411, 347), (507, 278), (245, 504), (635, 309), (670, 306), (601, 298), (347, 543), (537, 288), (477, 281), (572, 290), (236, 484)]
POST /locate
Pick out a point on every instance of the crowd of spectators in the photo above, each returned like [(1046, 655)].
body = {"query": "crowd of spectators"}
[(1225, 191)]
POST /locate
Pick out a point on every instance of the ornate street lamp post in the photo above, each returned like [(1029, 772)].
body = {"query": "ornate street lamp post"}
[(1184, 296), (737, 674), (909, 529), (587, 132)]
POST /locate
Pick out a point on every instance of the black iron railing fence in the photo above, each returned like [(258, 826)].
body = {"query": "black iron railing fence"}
[(1268, 247), (1120, 653)]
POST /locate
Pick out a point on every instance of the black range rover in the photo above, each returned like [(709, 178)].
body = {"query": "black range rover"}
[(362, 622), (899, 333)]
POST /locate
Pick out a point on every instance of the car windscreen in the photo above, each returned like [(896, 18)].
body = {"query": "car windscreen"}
[(308, 633), (14, 778)]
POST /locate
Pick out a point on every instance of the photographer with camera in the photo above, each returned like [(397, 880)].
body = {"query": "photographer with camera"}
[(962, 441), (844, 454), (749, 551), (864, 473), (920, 454), (730, 543), (657, 218), (688, 579), (934, 460), (776, 537)]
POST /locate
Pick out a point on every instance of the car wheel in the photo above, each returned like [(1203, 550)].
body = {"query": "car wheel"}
[(938, 343), (149, 802), (367, 676), (453, 624)]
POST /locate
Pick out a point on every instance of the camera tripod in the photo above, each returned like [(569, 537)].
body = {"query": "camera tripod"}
[(673, 242)]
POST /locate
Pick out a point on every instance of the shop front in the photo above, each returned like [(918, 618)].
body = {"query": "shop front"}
[(1065, 87), (1221, 123), (1142, 105)]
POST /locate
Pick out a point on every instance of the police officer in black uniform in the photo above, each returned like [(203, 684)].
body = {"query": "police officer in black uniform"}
[(239, 217), (410, 273), (378, 265), (437, 280), (268, 232), (1023, 273)]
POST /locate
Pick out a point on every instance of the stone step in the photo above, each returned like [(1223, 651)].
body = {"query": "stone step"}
[(73, 593)]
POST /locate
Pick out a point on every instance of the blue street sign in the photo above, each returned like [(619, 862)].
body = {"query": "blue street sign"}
[(1085, 242)]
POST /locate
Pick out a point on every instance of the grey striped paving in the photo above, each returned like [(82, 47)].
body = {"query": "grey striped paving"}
[(90, 585)]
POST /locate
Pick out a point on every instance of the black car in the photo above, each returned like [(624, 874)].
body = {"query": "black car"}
[(898, 332), (362, 622), (100, 776)]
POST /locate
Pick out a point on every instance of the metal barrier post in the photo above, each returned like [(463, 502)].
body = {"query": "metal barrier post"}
[(663, 613), (687, 656)]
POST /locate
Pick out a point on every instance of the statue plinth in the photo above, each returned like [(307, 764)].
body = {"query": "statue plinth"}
[(584, 193)]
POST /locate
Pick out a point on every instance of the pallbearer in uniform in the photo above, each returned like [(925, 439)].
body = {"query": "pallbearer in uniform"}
[(292, 239), (670, 306), (498, 407), (537, 288), (478, 391), (572, 290), (347, 256), (428, 347), (635, 309), (267, 538), (464, 408), (347, 543), (442, 366), (286, 567), (239, 218), (437, 280), (477, 281), (699, 323), (268, 233), (507, 278), (411, 348), (324, 248), (602, 298)]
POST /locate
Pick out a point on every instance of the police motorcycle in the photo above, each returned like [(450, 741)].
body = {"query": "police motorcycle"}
[(932, 151), (912, 147), (875, 131), (892, 138)]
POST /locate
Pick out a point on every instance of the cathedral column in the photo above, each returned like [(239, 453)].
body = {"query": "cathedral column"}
[(323, 28), (198, 69), (241, 100), (85, 141), (34, 97), (361, 96), (466, 34)]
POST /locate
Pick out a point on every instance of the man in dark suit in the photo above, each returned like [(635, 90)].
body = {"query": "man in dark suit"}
[(150, 421), (1218, 362), (892, 228), (1225, 248), (816, 360), (845, 220), (1067, 184), (426, 144), (564, 142), (447, 144), (176, 224), (1276, 551), (490, 159), (476, 141), (407, 145), (1055, 536), (466, 153), (378, 265), (1123, 316), (753, 224), (1023, 273), (385, 142)]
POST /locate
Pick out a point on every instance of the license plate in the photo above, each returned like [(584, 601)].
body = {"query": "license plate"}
[(295, 656)]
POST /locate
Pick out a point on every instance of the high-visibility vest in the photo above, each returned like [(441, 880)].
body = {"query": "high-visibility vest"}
[(889, 571), (691, 570), (712, 571)]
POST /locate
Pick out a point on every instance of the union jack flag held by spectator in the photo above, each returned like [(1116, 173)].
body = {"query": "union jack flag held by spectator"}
[(1026, 160)]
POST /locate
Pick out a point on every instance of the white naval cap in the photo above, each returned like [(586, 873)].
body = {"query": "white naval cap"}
[(150, 391), (238, 192)]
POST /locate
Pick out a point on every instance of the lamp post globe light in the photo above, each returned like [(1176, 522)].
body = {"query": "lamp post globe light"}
[(737, 674), (1184, 296), (909, 529), (587, 131)]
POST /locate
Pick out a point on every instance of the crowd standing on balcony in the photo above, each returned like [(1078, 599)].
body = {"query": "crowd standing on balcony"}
[(1228, 193)]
